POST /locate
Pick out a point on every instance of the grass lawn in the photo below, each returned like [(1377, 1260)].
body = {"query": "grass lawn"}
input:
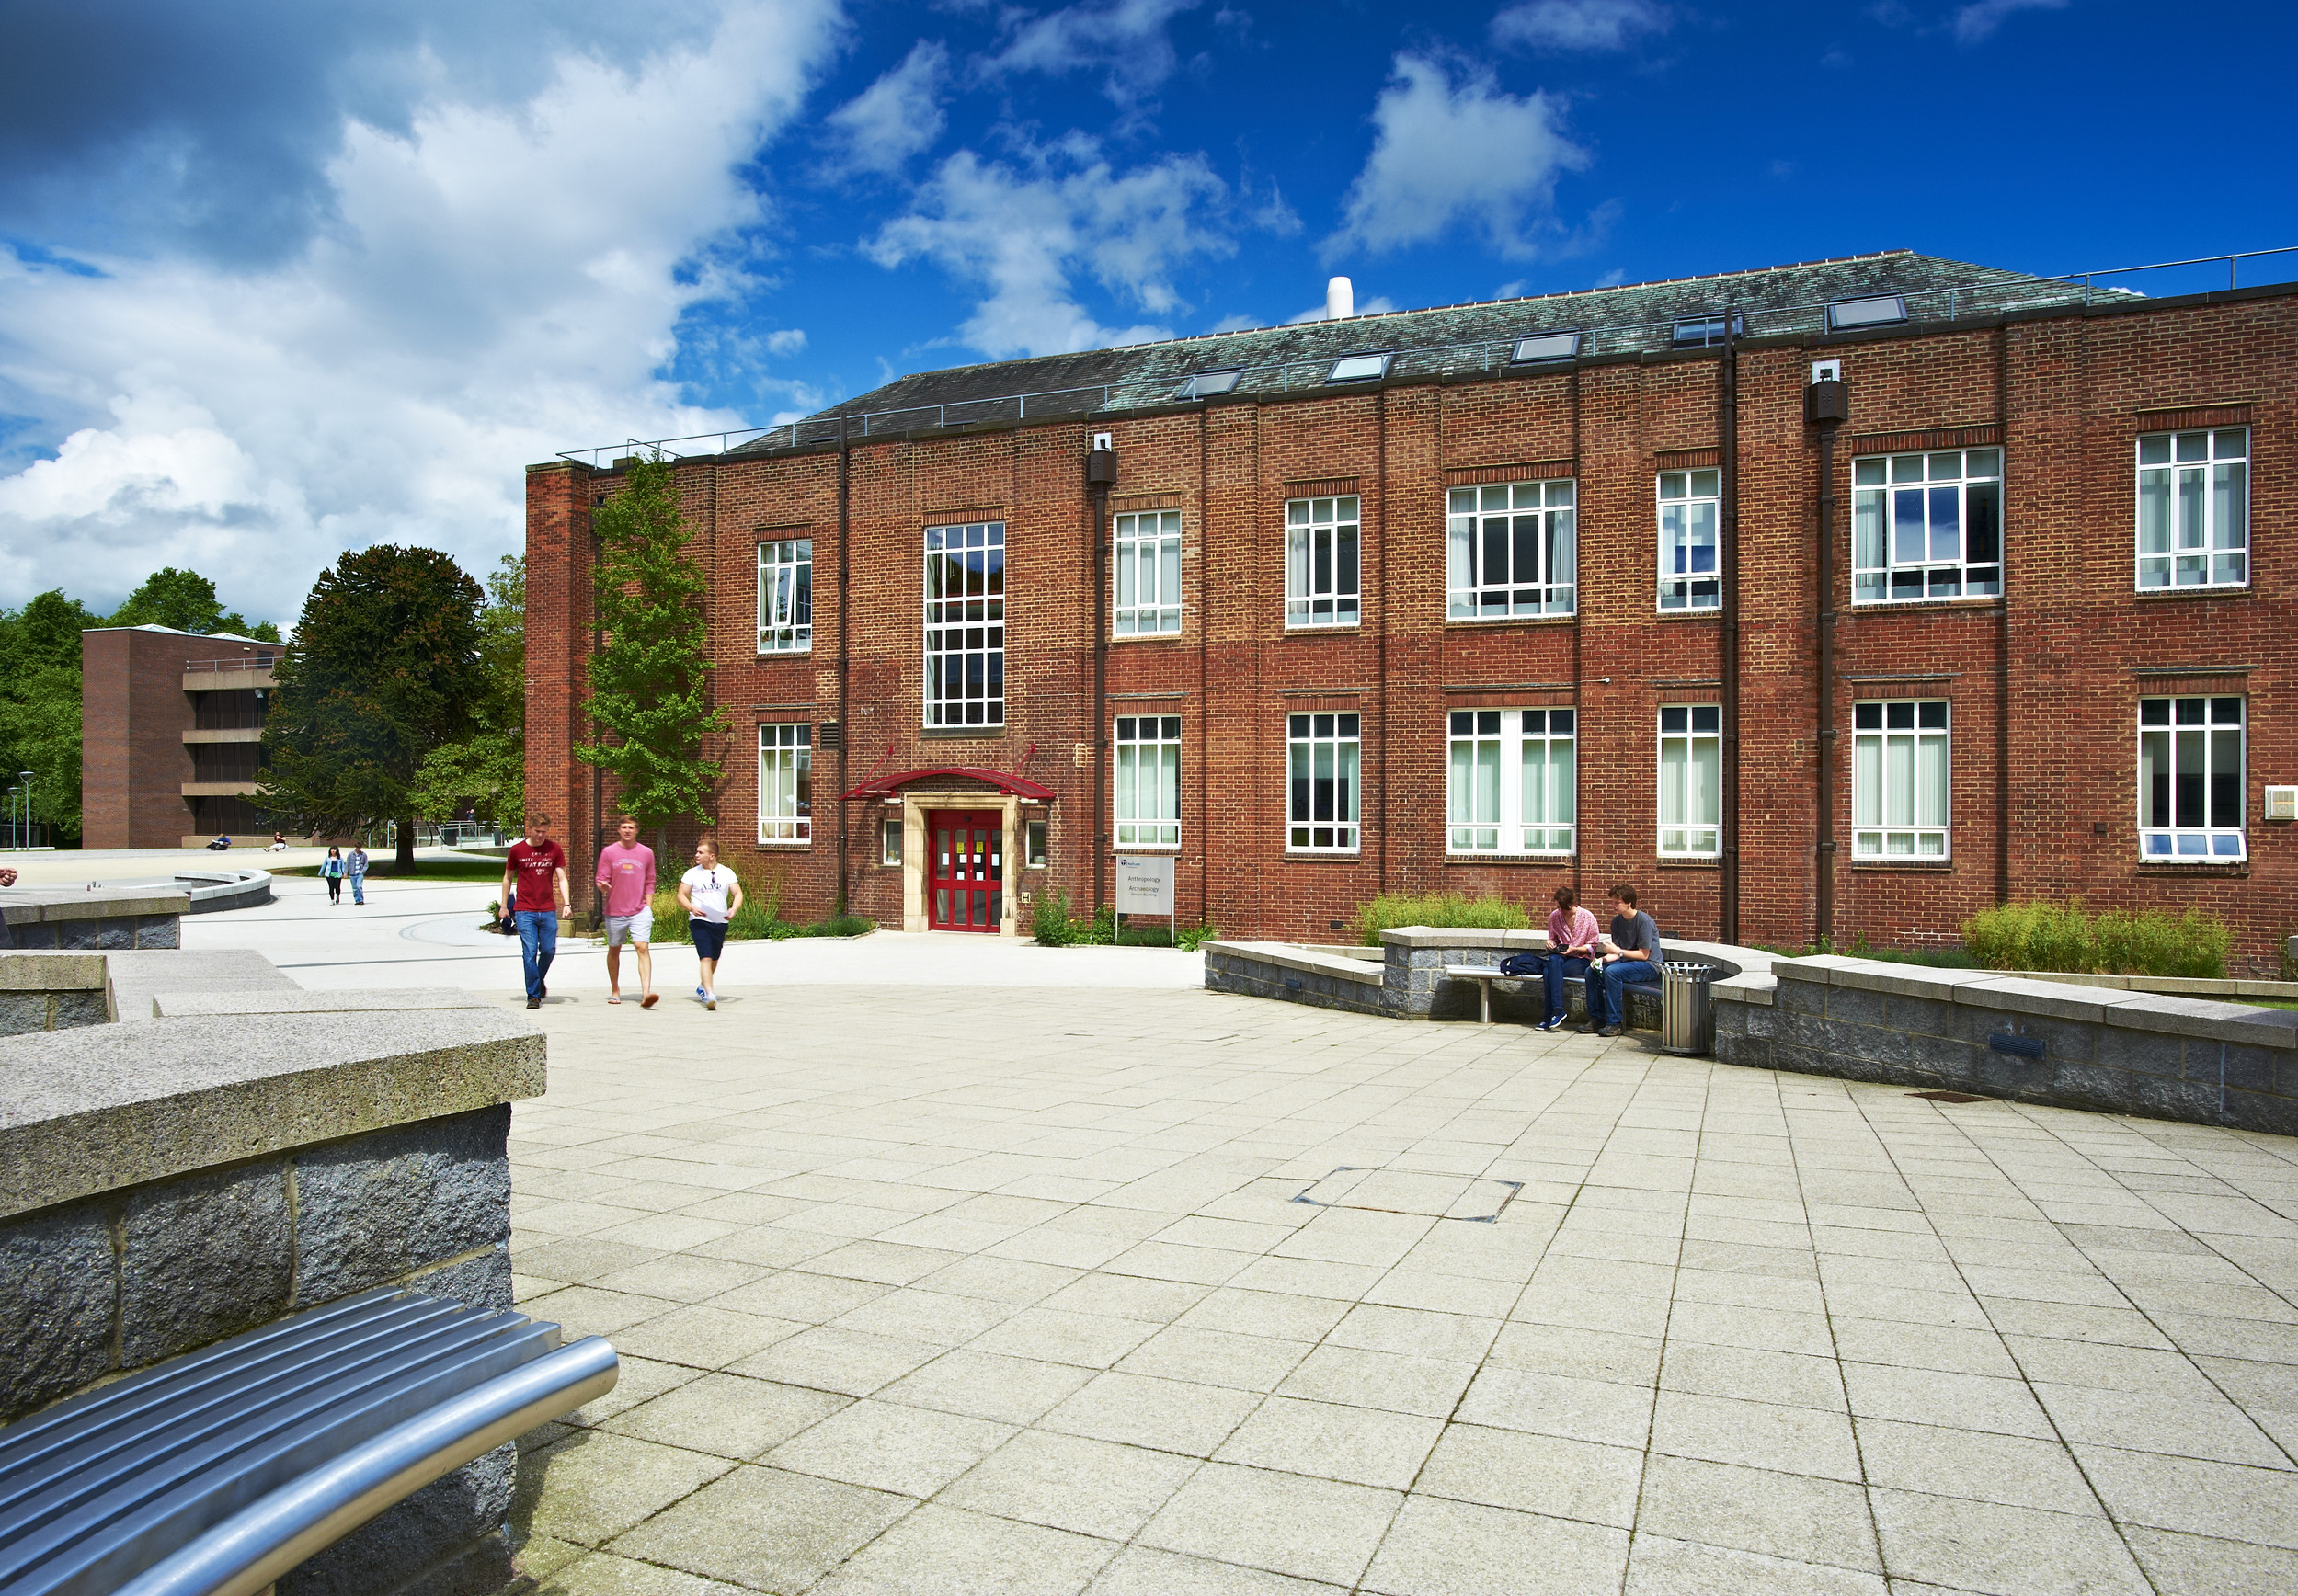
[(380, 869)]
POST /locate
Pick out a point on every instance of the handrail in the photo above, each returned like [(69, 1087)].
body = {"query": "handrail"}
[(250, 662), (1966, 297), (263, 1540)]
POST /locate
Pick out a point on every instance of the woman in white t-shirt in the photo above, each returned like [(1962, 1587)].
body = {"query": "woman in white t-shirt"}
[(709, 894)]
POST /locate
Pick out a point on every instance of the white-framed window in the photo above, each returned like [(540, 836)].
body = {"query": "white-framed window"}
[(2190, 777), (1149, 781), (1926, 525), (1899, 793), (966, 625), (1691, 506), (1033, 843), (890, 841), (1321, 561), (1322, 754), (1691, 787), (2194, 508), (785, 783), (785, 596), (1510, 550), (1509, 788), (1149, 574)]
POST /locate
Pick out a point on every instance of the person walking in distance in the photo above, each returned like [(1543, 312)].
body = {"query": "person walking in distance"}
[(355, 869), (535, 886), (710, 896), (626, 886), (331, 870)]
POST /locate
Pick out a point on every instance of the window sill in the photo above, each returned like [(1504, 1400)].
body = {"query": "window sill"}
[(1311, 854), (1691, 864), (1890, 606), (1561, 620), (1920, 866), (1706, 612), (2225, 590), (785, 653), (1539, 859), (1119, 638), (1170, 849), (1312, 629), (962, 733), (2194, 866), (786, 846)]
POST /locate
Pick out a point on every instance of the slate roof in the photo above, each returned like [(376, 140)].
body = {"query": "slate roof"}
[(1450, 341)]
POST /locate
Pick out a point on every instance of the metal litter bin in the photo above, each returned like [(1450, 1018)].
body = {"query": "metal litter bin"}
[(1688, 1022)]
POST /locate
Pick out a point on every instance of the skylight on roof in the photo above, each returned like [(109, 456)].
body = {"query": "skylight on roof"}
[(1694, 331), (1208, 382), (1545, 346), (1360, 368), (1876, 311)]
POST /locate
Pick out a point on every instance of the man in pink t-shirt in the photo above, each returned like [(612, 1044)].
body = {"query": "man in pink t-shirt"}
[(1572, 934), (626, 885)]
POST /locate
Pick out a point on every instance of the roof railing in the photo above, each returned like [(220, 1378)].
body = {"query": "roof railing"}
[(1978, 297), (241, 662)]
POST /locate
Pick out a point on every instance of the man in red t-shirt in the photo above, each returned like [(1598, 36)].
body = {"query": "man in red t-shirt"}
[(534, 891)]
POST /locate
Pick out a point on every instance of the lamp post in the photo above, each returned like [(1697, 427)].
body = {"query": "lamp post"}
[(20, 810)]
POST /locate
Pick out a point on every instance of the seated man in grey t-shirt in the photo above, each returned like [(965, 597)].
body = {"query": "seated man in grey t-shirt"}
[(1630, 953)]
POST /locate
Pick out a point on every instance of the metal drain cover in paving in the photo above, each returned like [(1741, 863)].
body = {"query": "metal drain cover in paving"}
[(1950, 1097), (1408, 1191)]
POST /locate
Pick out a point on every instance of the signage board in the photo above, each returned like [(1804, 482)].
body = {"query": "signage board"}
[(1145, 884)]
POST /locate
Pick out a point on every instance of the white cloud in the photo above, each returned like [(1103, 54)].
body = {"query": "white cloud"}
[(1024, 232), (500, 281), (1975, 24), (1126, 36), (896, 116), (1446, 153), (1579, 24), (788, 341)]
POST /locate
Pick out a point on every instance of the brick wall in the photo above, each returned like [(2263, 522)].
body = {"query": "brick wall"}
[(2043, 683), (133, 761)]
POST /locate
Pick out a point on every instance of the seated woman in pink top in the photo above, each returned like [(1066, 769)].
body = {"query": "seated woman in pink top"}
[(1572, 934)]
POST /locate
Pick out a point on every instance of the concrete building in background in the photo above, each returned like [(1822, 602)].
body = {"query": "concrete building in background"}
[(1831, 600), (171, 727)]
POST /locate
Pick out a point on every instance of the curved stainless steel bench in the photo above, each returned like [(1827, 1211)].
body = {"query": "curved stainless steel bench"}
[(216, 1472)]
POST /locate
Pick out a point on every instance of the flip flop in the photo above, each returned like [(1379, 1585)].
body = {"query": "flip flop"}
[(650, 1000), (614, 997)]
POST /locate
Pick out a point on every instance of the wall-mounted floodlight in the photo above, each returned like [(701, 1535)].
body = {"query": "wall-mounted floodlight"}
[(1545, 346), (1205, 383), (1360, 368), (1882, 310)]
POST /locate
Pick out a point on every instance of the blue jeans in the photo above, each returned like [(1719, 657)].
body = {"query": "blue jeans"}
[(538, 944), (1607, 1003), (1558, 966), (358, 886)]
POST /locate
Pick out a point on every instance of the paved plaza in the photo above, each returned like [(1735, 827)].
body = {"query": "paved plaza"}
[(942, 1264)]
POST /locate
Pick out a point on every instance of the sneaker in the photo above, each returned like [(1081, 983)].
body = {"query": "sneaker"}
[(1591, 1029), (711, 1004), (535, 1003), (1553, 1022), (700, 993), (1609, 1031)]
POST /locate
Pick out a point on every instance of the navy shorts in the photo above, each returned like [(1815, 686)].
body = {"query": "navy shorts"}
[(710, 938)]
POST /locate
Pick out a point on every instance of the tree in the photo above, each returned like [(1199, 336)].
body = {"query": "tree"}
[(186, 601), (650, 677), (385, 669), (487, 770), (40, 705)]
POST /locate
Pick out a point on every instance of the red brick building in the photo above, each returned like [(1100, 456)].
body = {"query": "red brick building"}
[(1506, 596), (171, 733)]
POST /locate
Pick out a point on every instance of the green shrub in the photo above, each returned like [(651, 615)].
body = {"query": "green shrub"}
[(754, 920), (1053, 924), (1194, 937), (2047, 938), (669, 919), (1449, 910)]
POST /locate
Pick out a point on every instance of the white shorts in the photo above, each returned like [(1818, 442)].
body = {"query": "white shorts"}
[(638, 927)]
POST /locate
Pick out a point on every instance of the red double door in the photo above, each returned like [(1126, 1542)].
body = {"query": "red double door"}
[(966, 892)]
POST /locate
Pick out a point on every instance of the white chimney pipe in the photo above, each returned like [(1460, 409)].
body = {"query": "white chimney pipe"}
[(1339, 300)]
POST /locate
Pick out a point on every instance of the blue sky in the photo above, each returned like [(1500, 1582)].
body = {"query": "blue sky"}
[(277, 281)]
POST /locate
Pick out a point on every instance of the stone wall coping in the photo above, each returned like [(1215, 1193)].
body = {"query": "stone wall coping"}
[(407, 999), (103, 1107), (46, 970), (1460, 936), (2179, 985), (1751, 986), (1292, 956), (34, 905), (2049, 998)]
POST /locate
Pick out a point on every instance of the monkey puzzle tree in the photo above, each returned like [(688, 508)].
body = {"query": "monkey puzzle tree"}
[(650, 676)]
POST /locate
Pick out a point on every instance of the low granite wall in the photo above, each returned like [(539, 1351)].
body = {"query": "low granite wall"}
[(95, 920), (53, 992), (169, 1181), (2007, 1036)]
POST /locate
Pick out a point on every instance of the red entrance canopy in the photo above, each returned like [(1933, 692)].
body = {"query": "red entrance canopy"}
[(1019, 786)]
